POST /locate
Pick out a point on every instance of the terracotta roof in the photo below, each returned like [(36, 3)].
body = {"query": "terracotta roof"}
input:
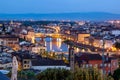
[(91, 56), (86, 57), (47, 62)]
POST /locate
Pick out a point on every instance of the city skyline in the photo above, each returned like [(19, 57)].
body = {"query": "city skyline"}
[(59, 40), (62, 6)]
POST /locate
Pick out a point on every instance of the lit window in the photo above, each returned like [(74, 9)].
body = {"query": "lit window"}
[(27, 61), (86, 65), (100, 65), (109, 65), (108, 71), (105, 65), (96, 65), (114, 64), (83, 66), (90, 65), (105, 72)]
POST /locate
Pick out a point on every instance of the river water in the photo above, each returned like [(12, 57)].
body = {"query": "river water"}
[(53, 44)]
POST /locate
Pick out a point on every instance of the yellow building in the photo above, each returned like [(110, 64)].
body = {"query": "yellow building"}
[(9, 40), (1, 25), (39, 49), (31, 36), (81, 37), (98, 43)]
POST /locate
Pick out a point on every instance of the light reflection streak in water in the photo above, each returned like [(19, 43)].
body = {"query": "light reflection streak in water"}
[(54, 44)]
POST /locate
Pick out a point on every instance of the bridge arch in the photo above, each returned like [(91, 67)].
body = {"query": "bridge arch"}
[(55, 29)]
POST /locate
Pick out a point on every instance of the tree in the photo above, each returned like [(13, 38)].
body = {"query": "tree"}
[(78, 74), (30, 75), (109, 78), (9, 74), (23, 75), (117, 45), (21, 39), (86, 74), (54, 74), (116, 74)]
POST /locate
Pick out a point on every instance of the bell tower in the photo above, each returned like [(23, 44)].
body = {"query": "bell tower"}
[(71, 58)]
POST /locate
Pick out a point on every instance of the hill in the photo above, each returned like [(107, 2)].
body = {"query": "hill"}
[(64, 16)]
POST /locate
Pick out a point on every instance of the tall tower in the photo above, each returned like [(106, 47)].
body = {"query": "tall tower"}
[(11, 23), (71, 58)]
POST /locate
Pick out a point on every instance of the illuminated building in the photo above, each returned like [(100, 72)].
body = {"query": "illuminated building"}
[(81, 36), (88, 60), (10, 40)]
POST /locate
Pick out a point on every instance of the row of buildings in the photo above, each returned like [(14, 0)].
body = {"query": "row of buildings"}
[(93, 33), (19, 41)]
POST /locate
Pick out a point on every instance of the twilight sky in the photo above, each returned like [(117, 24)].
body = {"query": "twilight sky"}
[(59, 6)]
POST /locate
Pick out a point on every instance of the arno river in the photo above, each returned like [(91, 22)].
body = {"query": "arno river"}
[(55, 44)]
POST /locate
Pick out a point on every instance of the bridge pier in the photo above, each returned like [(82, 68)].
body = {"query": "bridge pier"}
[(42, 39)]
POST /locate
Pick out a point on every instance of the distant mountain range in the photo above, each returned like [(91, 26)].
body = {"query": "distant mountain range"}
[(64, 16)]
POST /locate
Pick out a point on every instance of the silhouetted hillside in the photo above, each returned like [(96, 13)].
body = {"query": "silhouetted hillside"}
[(64, 16)]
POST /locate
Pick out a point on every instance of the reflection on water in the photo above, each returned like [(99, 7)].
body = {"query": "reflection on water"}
[(53, 44)]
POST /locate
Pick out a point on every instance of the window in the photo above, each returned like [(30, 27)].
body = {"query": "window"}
[(104, 72), (24, 65), (10, 42), (25, 62), (6, 66), (96, 65), (109, 65), (100, 65), (90, 65), (83, 66), (108, 71), (12, 39), (27, 65), (114, 64), (15, 42), (105, 65), (2, 42), (86, 65)]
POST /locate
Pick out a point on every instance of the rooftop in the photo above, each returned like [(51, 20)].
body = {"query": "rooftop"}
[(48, 62), (8, 36)]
